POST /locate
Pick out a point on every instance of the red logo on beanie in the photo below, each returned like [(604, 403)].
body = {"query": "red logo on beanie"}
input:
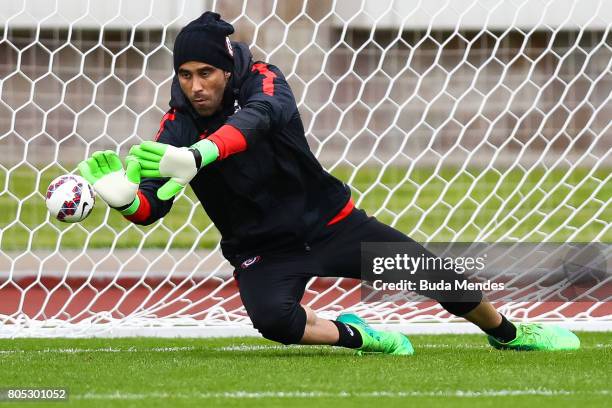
[(228, 45)]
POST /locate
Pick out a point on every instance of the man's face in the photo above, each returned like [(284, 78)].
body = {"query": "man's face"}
[(203, 85)]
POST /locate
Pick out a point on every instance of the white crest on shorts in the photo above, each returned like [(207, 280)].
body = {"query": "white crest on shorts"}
[(228, 45), (250, 262)]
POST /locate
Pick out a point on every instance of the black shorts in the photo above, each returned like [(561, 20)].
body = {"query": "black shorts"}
[(272, 284)]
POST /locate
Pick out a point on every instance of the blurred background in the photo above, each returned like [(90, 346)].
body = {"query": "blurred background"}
[(453, 120), (371, 77)]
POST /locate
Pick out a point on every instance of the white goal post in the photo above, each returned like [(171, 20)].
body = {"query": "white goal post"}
[(451, 120)]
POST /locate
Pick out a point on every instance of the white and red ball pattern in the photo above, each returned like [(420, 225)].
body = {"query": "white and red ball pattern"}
[(70, 198)]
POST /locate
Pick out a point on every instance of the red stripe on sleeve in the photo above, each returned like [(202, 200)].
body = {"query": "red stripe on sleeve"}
[(229, 140), (268, 81), (143, 212), (344, 212), (168, 116)]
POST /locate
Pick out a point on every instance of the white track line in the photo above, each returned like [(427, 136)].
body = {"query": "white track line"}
[(248, 348), (339, 394), (101, 350), (245, 347)]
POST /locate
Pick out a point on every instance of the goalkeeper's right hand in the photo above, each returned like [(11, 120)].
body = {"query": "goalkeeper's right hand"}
[(118, 188), (181, 164)]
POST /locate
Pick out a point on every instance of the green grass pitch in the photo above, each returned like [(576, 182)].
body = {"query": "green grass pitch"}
[(447, 370), (557, 203)]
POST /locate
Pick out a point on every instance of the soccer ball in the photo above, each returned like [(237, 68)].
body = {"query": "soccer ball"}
[(70, 198)]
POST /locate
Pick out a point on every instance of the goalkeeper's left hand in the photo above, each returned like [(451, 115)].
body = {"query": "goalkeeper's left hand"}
[(181, 164)]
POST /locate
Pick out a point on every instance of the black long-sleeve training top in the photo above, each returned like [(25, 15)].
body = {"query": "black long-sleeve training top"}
[(274, 194)]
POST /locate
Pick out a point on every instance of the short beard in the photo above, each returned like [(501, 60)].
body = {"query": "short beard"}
[(219, 106)]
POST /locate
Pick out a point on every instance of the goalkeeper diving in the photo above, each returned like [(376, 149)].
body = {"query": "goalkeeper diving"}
[(234, 134)]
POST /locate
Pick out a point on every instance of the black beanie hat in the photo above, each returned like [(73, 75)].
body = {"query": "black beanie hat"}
[(205, 39)]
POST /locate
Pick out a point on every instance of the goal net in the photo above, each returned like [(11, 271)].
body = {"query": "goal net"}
[(453, 121)]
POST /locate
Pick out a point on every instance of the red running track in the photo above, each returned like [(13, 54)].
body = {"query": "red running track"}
[(78, 299)]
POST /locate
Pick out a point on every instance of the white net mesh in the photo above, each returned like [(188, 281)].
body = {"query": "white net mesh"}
[(465, 120)]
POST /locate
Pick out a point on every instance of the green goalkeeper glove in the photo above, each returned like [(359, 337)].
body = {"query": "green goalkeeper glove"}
[(181, 164), (118, 188)]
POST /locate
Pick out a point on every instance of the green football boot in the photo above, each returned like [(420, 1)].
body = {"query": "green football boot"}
[(533, 336), (377, 341)]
